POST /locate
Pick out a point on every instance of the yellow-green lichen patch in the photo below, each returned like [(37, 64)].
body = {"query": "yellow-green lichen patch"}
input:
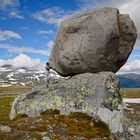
[(111, 86), (113, 102), (71, 103), (87, 91), (58, 101)]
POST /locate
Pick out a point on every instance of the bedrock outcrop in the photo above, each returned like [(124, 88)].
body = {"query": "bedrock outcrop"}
[(94, 41), (94, 94)]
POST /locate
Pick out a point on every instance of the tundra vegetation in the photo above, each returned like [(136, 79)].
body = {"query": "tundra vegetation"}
[(55, 126)]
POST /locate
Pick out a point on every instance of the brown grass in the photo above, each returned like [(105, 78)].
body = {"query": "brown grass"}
[(130, 92), (15, 89)]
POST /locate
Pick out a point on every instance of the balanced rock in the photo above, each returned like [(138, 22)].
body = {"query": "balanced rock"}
[(92, 42), (94, 94)]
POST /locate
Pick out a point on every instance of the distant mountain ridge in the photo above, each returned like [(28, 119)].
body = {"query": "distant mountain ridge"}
[(129, 80), (10, 75), (7, 66)]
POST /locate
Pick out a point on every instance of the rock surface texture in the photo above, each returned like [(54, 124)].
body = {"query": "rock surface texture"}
[(92, 42), (94, 94)]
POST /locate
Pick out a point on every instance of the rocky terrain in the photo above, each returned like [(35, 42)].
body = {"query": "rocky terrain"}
[(89, 48), (52, 126)]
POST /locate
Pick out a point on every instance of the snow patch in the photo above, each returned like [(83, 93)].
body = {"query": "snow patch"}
[(21, 70), (36, 77), (23, 84), (12, 79), (10, 75), (13, 83), (132, 100), (5, 85)]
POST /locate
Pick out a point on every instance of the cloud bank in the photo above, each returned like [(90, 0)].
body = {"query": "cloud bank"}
[(21, 60), (24, 49), (52, 15), (131, 67), (4, 4)]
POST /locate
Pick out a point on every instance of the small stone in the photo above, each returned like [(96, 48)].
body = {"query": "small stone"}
[(5, 129), (46, 138)]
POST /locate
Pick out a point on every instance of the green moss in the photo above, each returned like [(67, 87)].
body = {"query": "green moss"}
[(5, 107)]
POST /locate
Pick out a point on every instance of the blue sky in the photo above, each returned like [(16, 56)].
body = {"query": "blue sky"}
[(28, 27)]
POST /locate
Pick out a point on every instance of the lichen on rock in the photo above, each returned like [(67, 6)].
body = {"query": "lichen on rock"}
[(87, 93)]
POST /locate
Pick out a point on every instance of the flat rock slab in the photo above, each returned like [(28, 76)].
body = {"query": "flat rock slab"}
[(94, 94), (94, 41)]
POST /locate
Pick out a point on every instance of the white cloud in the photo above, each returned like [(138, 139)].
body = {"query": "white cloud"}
[(4, 35), (131, 67), (11, 9), (21, 60), (24, 49), (52, 15), (45, 32), (15, 14), (5, 4), (50, 44)]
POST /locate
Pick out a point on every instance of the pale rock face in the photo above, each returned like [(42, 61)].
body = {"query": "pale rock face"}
[(92, 42)]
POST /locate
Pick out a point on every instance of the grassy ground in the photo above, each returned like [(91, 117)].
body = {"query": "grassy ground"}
[(56, 126), (130, 92), (125, 92), (5, 108), (15, 89)]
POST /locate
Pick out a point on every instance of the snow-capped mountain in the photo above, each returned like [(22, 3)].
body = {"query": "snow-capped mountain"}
[(9, 75)]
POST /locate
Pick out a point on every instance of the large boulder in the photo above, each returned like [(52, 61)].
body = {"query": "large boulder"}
[(94, 94), (92, 42)]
